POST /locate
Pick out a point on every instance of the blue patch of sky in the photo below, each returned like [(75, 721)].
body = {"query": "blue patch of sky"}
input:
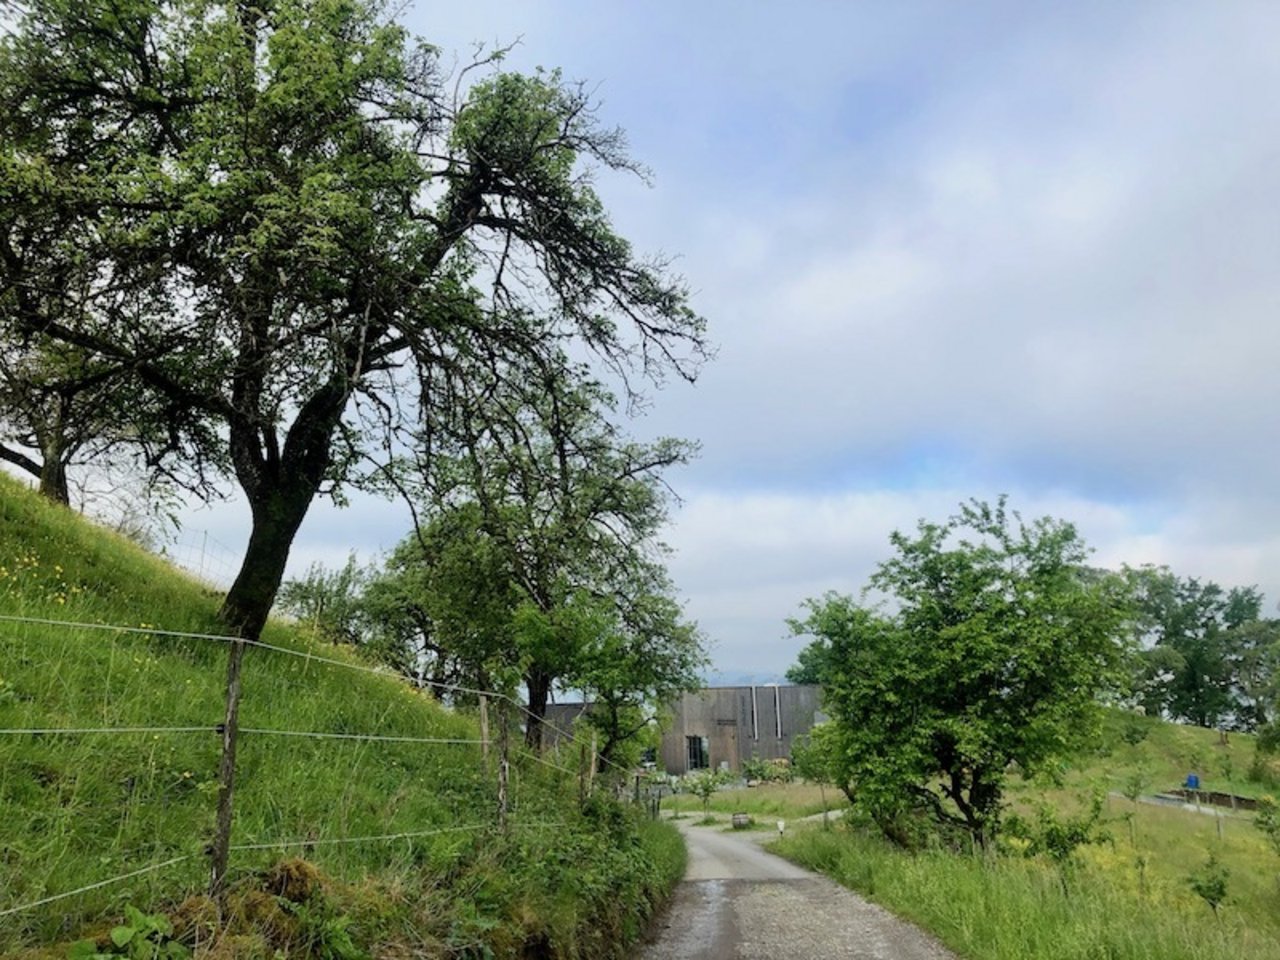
[(936, 462)]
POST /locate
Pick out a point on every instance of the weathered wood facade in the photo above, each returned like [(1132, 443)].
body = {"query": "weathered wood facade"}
[(720, 727)]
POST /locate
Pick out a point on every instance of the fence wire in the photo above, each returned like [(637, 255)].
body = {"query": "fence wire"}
[(95, 886), (219, 728), (318, 658), (272, 845)]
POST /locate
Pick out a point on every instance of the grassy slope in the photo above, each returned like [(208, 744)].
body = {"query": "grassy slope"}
[(1128, 898), (78, 809), (767, 800)]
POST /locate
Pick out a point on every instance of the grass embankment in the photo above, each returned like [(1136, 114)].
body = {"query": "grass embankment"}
[(79, 808), (1015, 909), (788, 801), (1127, 898), (1162, 754)]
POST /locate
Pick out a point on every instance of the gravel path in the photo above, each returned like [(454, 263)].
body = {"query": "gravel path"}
[(739, 902)]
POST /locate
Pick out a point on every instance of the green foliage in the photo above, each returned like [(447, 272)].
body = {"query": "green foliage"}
[(141, 937), (1268, 742), (1000, 644), (323, 932), (328, 601), (82, 809), (812, 759), (754, 768), (1135, 729), (1124, 903), (1209, 883), (766, 771), (811, 663), (641, 655), (442, 608), (1013, 908), (1057, 837), (703, 784), (1268, 821), (279, 226), (1207, 657), (542, 557), (1135, 782)]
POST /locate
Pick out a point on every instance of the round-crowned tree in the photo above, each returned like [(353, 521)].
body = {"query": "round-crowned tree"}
[(990, 650)]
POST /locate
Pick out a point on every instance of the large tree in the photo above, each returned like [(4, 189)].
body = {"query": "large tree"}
[(55, 411), (299, 230), (992, 653), (640, 656), (61, 406), (441, 608), (1206, 655), (567, 512)]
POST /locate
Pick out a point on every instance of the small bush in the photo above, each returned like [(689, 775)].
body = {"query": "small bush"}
[(1209, 883)]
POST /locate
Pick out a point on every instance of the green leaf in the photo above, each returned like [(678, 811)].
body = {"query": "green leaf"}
[(122, 935), (82, 950)]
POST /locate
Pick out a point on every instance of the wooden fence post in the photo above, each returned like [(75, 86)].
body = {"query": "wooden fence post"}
[(591, 770), (504, 766), (227, 772)]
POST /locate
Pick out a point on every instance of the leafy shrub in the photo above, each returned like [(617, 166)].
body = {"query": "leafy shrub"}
[(324, 932), (143, 936), (1134, 729), (755, 768), (1268, 821), (767, 771), (1209, 883), (1058, 838), (703, 785)]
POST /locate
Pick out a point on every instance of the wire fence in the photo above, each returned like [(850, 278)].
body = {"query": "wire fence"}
[(202, 555), (494, 771), (310, 657)]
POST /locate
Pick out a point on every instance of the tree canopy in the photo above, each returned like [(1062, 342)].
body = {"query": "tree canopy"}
[(1207, 656), (563, 514), (992, 647), (536, 559), (300, 237)]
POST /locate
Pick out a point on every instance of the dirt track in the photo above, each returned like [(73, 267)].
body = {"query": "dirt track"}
[(737, 901)]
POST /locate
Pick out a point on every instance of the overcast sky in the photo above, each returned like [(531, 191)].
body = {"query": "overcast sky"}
[(945, 251)]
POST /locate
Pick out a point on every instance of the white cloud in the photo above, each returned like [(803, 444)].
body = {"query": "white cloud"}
[(944, 253), (746, 562)]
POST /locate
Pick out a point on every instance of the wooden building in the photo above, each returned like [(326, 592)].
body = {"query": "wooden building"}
[(717, 728)]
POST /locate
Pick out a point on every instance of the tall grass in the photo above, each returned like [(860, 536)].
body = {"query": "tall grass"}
[(81, 808), (787, 800), (1126, 898), (1014, 909), (1166, 752)]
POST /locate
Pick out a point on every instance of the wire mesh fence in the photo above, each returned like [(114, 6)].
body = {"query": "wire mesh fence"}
[(469, 786), (203, 555)]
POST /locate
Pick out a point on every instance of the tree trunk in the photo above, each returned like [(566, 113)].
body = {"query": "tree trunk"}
[(276, 519), (53, 480), (539, 683)]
